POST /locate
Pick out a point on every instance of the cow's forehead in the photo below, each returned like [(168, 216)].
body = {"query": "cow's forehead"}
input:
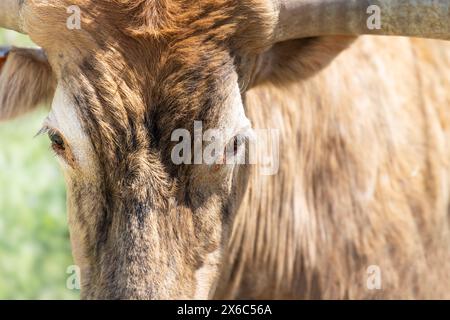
[(106, 20), (165, 40), (137, 26), (157, 38)]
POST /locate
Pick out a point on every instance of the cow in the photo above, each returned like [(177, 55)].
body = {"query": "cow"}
[(359, 205)]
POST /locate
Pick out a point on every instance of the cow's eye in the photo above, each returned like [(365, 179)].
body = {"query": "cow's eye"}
[(57, 141), (234, 147), (235, 144)]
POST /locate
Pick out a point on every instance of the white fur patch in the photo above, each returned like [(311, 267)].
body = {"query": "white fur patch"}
[(63, 117), (206, 276)]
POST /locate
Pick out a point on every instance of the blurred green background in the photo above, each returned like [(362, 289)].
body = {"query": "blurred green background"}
[(34, 238)]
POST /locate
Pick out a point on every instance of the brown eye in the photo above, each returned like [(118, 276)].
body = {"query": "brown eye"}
[(57, 141), (234, 145)]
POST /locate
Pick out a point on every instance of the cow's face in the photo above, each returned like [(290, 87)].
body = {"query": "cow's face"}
[(150, 206)]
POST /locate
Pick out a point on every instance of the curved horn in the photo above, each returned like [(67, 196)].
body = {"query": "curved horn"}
[(413, 18), (10, 15)]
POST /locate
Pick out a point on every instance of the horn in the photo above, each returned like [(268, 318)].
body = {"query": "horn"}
[(10, 15), (412, 18)]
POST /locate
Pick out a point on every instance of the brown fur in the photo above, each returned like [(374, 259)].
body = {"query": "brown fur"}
[(364, 177), (26, 80)]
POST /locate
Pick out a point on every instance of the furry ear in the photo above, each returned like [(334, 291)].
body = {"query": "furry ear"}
[(292, 60), (26, 81)]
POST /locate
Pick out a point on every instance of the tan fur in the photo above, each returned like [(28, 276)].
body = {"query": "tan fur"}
[(367, 184), (26, 80), (364, 172)]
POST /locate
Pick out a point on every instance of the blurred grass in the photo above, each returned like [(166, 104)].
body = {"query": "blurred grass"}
[(34, 239)]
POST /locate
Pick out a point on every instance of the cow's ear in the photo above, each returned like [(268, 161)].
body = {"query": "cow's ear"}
[(26, 81), (293, 60)]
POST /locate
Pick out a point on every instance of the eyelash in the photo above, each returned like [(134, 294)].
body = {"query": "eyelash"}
[(46, 130)]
